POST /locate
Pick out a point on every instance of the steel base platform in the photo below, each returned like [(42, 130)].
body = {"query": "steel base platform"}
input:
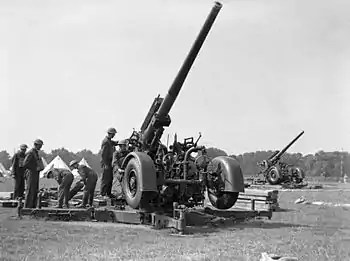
[(178, 219)]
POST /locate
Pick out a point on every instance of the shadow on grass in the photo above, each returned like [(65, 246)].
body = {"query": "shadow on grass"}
[(215, 227), (285, 210)]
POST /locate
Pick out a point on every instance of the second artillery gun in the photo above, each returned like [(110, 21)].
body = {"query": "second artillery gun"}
[(276, 172), (157, 177)]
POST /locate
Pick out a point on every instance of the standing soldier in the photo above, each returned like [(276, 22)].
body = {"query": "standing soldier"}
[(18, 171), (89, 179), (118, 158), (64, 179), (33, 165), (107, 150)]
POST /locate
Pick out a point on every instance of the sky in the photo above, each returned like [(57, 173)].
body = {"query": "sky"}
[(69, 70)]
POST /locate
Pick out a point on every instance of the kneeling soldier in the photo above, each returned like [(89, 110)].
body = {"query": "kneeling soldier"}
[(89, 179), (64, 179)]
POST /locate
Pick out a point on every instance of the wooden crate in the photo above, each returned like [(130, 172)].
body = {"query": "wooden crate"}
[(263, 199), (256, 205)]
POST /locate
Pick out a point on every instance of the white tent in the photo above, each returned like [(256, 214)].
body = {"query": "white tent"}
[(84, 162), (55, 163), (4, 172), (44, 162)]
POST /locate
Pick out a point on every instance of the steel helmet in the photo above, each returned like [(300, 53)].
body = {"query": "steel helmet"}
[(122, 142), (72, 163), (23, 146), (111, 131), (38, 142)]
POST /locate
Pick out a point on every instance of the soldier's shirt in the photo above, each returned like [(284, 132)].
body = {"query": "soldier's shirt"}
[(107, 150), (31, 160), (18, 159), (60, 174), (86, 173), (118, 158)]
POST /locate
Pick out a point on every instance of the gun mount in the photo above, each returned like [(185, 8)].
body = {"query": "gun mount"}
[(156, 177), (277, 172)]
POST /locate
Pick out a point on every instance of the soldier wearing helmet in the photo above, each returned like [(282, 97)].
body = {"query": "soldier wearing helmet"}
[(64, 179), (107, 150), (118, 158), (33, 165), (88, 180), (18, 171)]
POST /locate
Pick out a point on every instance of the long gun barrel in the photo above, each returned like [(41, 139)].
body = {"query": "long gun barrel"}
[(280, 153), (161, 118)]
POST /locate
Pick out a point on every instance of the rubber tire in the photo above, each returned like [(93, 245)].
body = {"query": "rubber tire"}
[(270, 179), (224, 200), (141, 198)]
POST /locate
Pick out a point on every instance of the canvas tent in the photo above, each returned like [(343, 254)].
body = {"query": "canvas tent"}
[(55, 163), (3, 171), (82, 162), (44, 162)]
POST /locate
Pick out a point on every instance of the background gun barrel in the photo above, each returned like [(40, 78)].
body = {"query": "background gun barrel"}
[(187, 64), (290, 144)]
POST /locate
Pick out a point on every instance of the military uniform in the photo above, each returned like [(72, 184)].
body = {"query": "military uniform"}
[(107, 150), (118, 158), (64, 179), (89, 178), (33, 165), (18, 173)]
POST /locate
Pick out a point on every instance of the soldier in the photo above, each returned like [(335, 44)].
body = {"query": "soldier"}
[(18, 171), (89, 179), (118, 158), (107, 150), (33, 165), (64, 179)]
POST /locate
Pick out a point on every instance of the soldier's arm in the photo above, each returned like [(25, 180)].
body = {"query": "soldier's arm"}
[(27, 160), (117, 161), (115, 143)]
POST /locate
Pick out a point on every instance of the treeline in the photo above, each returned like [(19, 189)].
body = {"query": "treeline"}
[(327, 164)]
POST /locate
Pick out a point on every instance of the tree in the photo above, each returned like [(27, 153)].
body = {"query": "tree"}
[(5, 159)]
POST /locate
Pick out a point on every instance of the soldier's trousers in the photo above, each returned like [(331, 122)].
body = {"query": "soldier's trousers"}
[(107, 181), (63, 190), (19, 185), (32, 189), (89, 191), (77, 187)]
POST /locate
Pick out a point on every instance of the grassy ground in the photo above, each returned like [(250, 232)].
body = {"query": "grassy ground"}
[(305, 231)]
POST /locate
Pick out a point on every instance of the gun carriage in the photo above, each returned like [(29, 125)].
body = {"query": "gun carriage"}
[(276, 172), (156, 176)]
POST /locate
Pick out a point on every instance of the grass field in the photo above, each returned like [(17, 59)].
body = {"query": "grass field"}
[(308, 232)]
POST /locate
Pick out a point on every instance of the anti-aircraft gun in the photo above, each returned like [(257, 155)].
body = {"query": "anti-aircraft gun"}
[(276, 172), (156, 176)]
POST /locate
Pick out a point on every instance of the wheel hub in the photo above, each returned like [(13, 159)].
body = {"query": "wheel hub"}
[(132, 184)]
